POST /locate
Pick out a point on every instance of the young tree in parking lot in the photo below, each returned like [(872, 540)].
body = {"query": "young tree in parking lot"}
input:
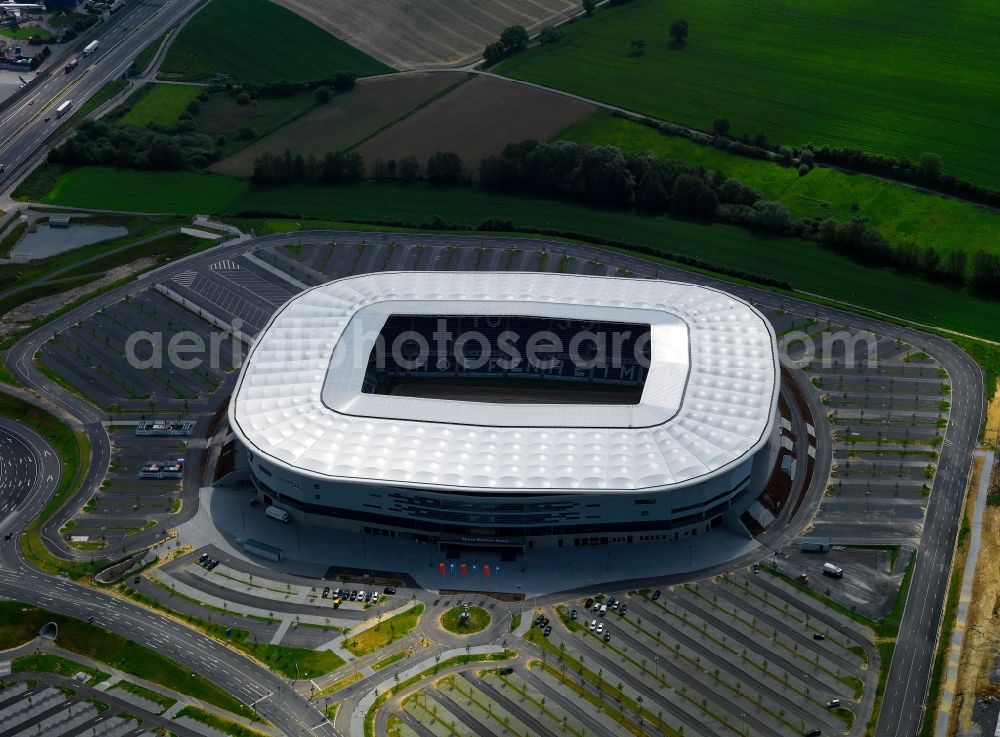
[(679, 31)]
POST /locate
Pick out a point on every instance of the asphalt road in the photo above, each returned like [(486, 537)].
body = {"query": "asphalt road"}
[(23, 129), (275, 699), (17, 468), (909, 673)]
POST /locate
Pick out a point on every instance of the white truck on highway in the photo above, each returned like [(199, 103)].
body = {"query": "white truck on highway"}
[(278, 513), (90, 48), (63, 108)]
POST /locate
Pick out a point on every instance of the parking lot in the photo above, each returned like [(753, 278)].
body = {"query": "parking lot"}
[(93, 357), (744, 654), (126, 504)]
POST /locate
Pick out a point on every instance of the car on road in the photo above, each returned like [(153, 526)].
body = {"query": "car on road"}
[(756, 568), (814, 733), (7, 536), (656, 595), (48, 118), (593, 625), (833, 703), (819, 636), (572, 614), (589, 602), (600, 628), (548, 630), (326, 591), (607, 636), (336, 602), (389, 590)]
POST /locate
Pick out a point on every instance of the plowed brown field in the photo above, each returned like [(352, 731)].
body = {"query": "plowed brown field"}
[(346, 120), (415, 34), (477, 120)]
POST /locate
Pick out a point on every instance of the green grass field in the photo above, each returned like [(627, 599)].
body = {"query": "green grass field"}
[(259, 41), (898, 78), (904, 215), (25, 32), (158, 103), (807, 266), (479, 619), (385, 632)]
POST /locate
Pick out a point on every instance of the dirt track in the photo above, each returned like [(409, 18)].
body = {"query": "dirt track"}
[(416, 34)]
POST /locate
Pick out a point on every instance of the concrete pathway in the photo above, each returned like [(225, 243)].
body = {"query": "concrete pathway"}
[(947, 700)]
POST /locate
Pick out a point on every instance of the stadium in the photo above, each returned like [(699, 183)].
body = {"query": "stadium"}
[(506, 411)]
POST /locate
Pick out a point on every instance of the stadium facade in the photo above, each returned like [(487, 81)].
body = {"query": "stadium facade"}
[(511, 410)]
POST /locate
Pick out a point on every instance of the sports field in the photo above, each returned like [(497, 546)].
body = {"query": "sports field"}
[(158, 103), (898, 78), (903, 214), (807, 266), (345, 121), (259, 41)]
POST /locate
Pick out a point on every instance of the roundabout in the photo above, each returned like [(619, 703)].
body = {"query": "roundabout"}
[(465, 620)]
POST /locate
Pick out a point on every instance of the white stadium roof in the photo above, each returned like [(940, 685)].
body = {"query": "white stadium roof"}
[(708, 402)]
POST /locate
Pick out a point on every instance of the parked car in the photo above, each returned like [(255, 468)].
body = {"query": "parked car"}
[(622, 608), (600, 628), (589, 602), (593, 625), (203, 557), (572, 614), (375, 598), (607, 636), (539, 618), (833, 703), (819, 636), (368, 596), (361, 594), (326, 591), (547, 631), (656, 595), (213, 565), (389, 590), (354, 596), (756, 568)]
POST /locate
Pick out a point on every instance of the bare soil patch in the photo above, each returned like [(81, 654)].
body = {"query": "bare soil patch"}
[(477, 120), (22, 315), (344, 121), (412, 34)]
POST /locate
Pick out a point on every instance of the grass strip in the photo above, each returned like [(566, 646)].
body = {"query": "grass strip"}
[(289, 662), (386, 632), (457, 660), (215, 722), (19, 623), (48, 663), (136, 690)]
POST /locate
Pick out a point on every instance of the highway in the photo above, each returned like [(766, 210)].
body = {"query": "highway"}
[(23, 129), (273, 697), (909, 673)]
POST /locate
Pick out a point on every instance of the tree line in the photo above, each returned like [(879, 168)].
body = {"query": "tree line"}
[(157, 147)]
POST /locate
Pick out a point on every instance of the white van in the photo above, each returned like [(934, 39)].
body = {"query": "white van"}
[(603, 610), (278, 513)]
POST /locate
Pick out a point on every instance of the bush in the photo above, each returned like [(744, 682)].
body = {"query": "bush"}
[(549, 35), (344, 81), (323, 95), (243, 99)]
